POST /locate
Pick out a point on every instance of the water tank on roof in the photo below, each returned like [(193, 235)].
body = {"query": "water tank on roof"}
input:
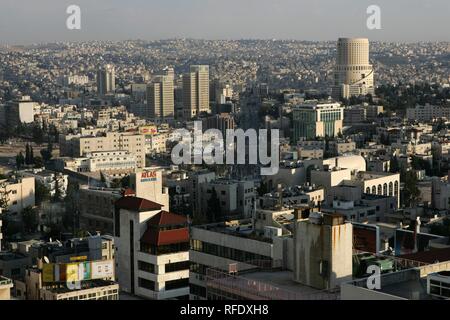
[(270, 232), (316, 218)]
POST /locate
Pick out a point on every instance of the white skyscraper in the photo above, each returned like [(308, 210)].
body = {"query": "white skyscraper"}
[(106, 80), (353, 74)]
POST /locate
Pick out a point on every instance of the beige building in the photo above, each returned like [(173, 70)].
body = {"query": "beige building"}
[(34, 288), (19, 193), (353, 73), (427, 113), (134, 144), (380, 183), (196, 91), (5, 288), (160, 98), (97, 204)]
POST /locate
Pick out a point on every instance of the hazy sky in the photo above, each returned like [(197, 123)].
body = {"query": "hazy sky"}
[(32, 21)]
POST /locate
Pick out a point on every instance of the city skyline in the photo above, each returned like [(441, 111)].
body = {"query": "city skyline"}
[(402, 21)]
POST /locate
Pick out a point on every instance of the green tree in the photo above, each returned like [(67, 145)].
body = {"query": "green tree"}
[(30, 220), (38, 162), (71, 206), (411, 191), (57, 195), (263, 189), (38, 134), (27, 154), (394, 166), (42, 193), (20, 160), (47, 153), (214, 209), (4, 196)]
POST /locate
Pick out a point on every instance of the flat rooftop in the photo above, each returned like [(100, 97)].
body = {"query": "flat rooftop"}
[(271, 285), (415, 289), (10, 256), (237, 228)]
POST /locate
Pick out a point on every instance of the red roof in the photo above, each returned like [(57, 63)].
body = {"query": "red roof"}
[(137, 204), (128, 192), (158, 238), (432, 256), (162, 237), (166, 218)]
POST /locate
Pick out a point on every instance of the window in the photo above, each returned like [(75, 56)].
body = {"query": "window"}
[(146, 284), (147, 267), (177, 284), (177, 266)]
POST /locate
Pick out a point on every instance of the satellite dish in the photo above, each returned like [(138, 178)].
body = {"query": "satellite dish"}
[(46, 260)]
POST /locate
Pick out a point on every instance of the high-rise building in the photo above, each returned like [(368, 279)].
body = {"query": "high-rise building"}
[(160, 98), (170, 72), (106, 80), (196, 91), (317, 120), (353, 74)]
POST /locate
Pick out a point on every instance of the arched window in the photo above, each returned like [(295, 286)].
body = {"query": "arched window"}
[(391, 189), (374, 190), (368, 190), (380, 190), (396, 191), (385, 190)]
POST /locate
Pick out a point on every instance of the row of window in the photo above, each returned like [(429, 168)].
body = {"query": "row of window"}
[(169, 267), (167, 249), (383, 189), (226, 252), (169, 285)]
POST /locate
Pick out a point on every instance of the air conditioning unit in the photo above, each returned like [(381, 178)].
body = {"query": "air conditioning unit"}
[(438, 285), (270, 232)]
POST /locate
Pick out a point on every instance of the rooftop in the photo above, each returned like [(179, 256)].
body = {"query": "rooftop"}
[(137, 204), (237, 228), (265, 285)]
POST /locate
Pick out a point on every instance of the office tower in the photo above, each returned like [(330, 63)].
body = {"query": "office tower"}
[(170, 72), (353, 74), (196, 91), (317, 120), (106, 81), (160, 98)]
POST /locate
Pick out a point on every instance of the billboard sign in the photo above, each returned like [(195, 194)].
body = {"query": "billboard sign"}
[(149, 176), (78, 271), (102, 269)]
